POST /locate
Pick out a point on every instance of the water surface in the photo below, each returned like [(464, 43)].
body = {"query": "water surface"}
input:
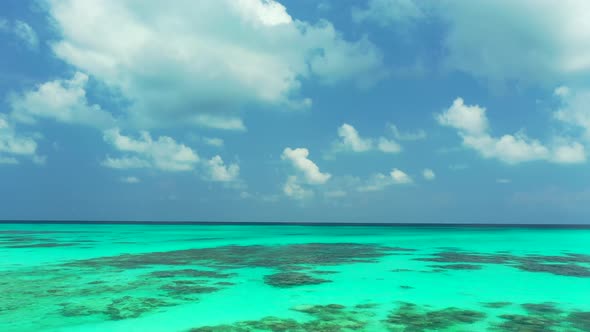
[(73, 277)]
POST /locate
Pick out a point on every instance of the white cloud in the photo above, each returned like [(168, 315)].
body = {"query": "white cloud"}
[(299, 159), (16, 145), (388, 146), (472, 125), (407, 136), (297, 186), (351, 140), (217, 142), (125, 163), (388, 12), (185, 64), (470, 119), (562, 91), (511, 149), (569, 153), (218, 171), (24, 31), (518, 40), (400, 177), (501, 40), (61, 100), (164, 153), (130, 179), (224, 122), (574, 110), (376, 182), (380, 181), (294, 190), (503, 181), (428, 174)]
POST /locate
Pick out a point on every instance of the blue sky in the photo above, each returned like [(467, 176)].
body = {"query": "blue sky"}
[(326, 111)]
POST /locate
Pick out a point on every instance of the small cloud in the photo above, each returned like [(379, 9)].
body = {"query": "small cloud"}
[(503, 181), (299, 159), (294, 190), (562, 91), (428, 174), (324, 6), (400, 177), (388, 146), (380, 181), (8, 160), (407, 136), (24, 31), (39, 160), (219, 171), (130, 179), (352, 141), (217, 142)]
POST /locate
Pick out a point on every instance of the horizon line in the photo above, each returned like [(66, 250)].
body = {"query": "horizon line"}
[(291, 223)]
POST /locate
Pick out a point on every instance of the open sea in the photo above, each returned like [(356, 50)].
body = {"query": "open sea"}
[(216, 277)]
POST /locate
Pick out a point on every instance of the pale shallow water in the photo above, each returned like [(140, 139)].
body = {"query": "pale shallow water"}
[(76, 277)]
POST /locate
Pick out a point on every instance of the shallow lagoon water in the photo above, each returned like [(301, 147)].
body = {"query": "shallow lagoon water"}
[(65, 277)]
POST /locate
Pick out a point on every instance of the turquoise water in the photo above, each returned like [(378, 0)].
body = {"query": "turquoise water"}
[(292, 278)]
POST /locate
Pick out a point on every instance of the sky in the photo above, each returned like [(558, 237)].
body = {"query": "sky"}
[(399, 111)]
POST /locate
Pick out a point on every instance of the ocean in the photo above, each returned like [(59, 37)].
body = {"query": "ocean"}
[(218, 277)]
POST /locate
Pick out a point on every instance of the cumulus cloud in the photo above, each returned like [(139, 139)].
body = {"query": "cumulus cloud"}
[(428, 174), (185, 63), (15, 145), (164, 153), (22, 31), (309, 174), (220, 172), (61, 100), (472, 125), (299, 159), (569, 153), (470, 119), (350, 140)]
